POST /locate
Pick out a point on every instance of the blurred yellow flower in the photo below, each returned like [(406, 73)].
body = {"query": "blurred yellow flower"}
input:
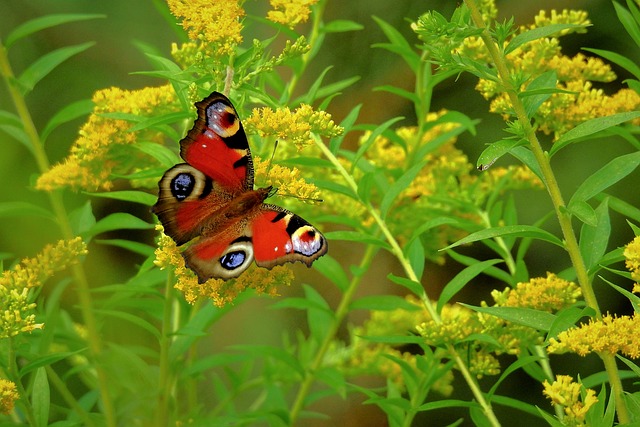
[(632, 260), (290, 12), (566, 393), (8, 396), (211, 21), (95, 154), (17, 314)]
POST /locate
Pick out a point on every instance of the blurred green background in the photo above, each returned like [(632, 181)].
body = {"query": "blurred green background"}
[(115, 56)]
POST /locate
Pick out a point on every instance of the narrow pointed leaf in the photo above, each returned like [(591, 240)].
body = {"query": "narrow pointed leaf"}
[(48, 21)]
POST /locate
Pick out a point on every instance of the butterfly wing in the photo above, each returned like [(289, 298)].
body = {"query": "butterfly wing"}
[(218, 168), (217, 144), (271, 235)]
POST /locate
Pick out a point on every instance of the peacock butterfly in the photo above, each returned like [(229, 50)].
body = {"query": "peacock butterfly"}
[(210, 202)]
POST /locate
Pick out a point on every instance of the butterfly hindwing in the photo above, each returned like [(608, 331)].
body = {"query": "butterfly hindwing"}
[(280, 236)]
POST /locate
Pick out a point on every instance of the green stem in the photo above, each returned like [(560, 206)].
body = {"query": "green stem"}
[(564, 216), (341, 313), (12, 370), (55, 199), (396, 250), (306, 58), (165, 377), (68, 397)]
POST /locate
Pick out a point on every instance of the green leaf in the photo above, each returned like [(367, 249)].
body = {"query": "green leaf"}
[(525, 155), (41, 398), (117, 221), (414, 252), (136, 247), (605, 177), (13, 209), (131, 318), (415, 287), (537, 33), (70, 112), (398, 44), (383, 302), (356, 236), (372, 138), (584, 212), (347, 123), (545, 81), (162, 154), (82, 219), (341, 26), (494, 151), (157, 121), (45, 64), (461, 279), (397, 187), (398, 91), (332, 270), (44, 22), (529, 317), (566, 319), (128, 196), (510, 230), (591, 127), (594, 238), (320, 319), (522, 361), (628, 22)]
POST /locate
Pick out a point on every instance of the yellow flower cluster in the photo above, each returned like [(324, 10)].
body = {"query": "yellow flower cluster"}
[(17, 310), (562, 111), (97, 152), (549, 293), (632, 261), (566, 393), (221, 292), (290, 12), (8, 396), (296, 126), (288, 181), (609, 335), (214, 22)]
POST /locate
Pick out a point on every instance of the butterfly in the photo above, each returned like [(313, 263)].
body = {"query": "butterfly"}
[(210, 202)]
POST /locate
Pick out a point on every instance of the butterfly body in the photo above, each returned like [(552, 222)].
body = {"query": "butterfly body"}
[(210, 202)]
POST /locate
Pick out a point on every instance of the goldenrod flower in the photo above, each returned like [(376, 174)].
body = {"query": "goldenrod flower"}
[(296, 126), (290, 12), (98, 150), (211, 21), (562, 111), (632, 260), (17, 314), (288, 181), (8, 396), (221, 292), (608, 335), (549, 293), (566, 393)]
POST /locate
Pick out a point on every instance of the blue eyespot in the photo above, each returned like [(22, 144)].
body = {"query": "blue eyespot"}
[(182, 185), (233, 260)]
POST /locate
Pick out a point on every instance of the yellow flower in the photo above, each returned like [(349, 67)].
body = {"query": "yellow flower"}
[(8, 396), (290, 12), (212, 21), (632, 256), (97, 151), (220, 292), (566, 393), (17, 314), (608, 335), (287, 181), (296, 126), (549, 293)]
